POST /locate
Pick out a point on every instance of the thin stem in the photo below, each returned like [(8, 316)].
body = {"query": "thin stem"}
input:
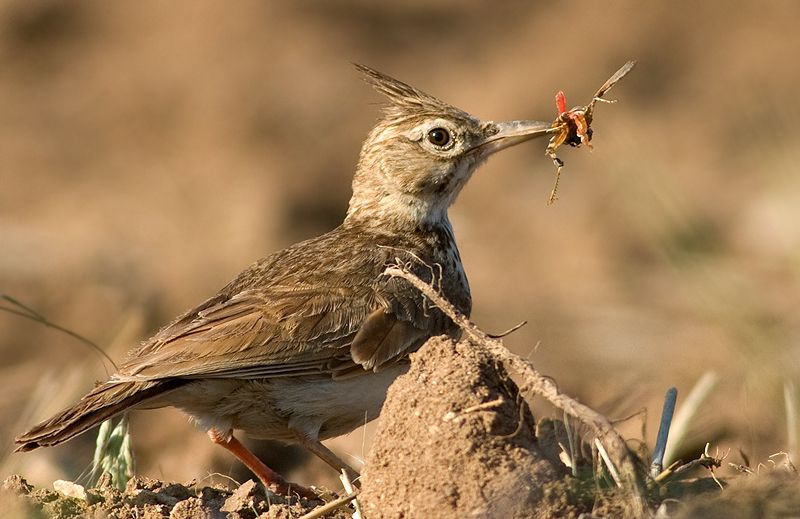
[(29, 313)]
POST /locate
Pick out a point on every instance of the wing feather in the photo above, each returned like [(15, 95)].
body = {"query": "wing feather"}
[(269, 332), (273, 321)]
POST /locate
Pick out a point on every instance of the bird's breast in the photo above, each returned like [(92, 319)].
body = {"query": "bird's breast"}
[(454, 283)]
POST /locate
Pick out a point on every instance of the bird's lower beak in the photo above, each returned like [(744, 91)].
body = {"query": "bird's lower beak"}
[(511, 133)]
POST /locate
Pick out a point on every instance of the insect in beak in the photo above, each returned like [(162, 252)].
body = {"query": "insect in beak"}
[(574, 126)]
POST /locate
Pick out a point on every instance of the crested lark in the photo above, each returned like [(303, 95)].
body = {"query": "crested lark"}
[(303, 344)]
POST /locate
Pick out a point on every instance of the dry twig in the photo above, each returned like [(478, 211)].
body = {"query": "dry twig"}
[(348, 487), (705, 460), (459, 416), (328, 507)]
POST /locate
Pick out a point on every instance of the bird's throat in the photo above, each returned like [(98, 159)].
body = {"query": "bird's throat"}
[(399, 210)]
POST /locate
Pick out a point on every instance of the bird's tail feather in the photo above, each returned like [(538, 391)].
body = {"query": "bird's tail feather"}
[(103, 402)]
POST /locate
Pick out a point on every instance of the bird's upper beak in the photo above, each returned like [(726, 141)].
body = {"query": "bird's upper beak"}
[(510, 133)]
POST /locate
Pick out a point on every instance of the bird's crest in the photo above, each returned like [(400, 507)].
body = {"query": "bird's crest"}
[(405, 100)]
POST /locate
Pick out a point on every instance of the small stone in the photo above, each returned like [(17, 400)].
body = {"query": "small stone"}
[(70, 489), (241, 497), (17, 485)]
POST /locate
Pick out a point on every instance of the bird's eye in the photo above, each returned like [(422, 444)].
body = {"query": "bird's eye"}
[(439, 137)]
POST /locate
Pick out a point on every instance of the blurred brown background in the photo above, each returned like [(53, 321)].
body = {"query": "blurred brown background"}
[(150, 151)]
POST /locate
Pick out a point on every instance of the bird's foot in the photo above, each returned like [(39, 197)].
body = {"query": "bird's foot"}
[(269, 478)]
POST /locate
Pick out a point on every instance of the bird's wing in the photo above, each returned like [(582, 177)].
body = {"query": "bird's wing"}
[(288, 331), (270, 331), (402, 322)]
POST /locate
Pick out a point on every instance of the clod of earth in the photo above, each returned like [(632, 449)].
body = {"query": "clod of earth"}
[(457, 440)]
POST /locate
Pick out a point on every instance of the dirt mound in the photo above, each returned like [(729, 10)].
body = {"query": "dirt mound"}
[(456, 440), (150, 499)]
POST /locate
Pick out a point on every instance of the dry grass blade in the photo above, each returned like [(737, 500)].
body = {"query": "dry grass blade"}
[(113, 453), (790, 401), (29, 313), (607, 462), (573, 466), (687, 412), (348, 487), (618, 451)]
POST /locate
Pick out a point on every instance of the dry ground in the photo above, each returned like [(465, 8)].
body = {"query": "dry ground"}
[(456, 439)]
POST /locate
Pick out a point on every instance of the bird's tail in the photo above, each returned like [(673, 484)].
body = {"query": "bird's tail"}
[(103, 402)]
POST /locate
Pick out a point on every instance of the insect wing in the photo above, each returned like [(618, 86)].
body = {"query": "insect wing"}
[(614, 79)]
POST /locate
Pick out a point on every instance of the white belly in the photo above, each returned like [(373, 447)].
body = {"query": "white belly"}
[(278, 408)]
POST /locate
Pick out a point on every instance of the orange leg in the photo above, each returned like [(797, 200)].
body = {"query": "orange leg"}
[(327, 455), (268, 477)]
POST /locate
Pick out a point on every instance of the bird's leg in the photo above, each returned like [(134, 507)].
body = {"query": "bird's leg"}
[(268, 477), (327, 455)]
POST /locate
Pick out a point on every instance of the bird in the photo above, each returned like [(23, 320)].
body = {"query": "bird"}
[(303, 344)]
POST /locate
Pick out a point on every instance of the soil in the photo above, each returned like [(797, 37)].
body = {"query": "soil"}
[(772, 494), (145, 498), (456, 440)]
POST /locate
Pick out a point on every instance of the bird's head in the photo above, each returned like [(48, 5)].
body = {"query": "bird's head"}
[(421, 153)]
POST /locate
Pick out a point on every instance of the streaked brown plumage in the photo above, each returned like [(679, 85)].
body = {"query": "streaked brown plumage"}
[(304, 343)]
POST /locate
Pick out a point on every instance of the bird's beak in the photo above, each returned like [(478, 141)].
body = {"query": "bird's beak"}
[(510, 133)]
